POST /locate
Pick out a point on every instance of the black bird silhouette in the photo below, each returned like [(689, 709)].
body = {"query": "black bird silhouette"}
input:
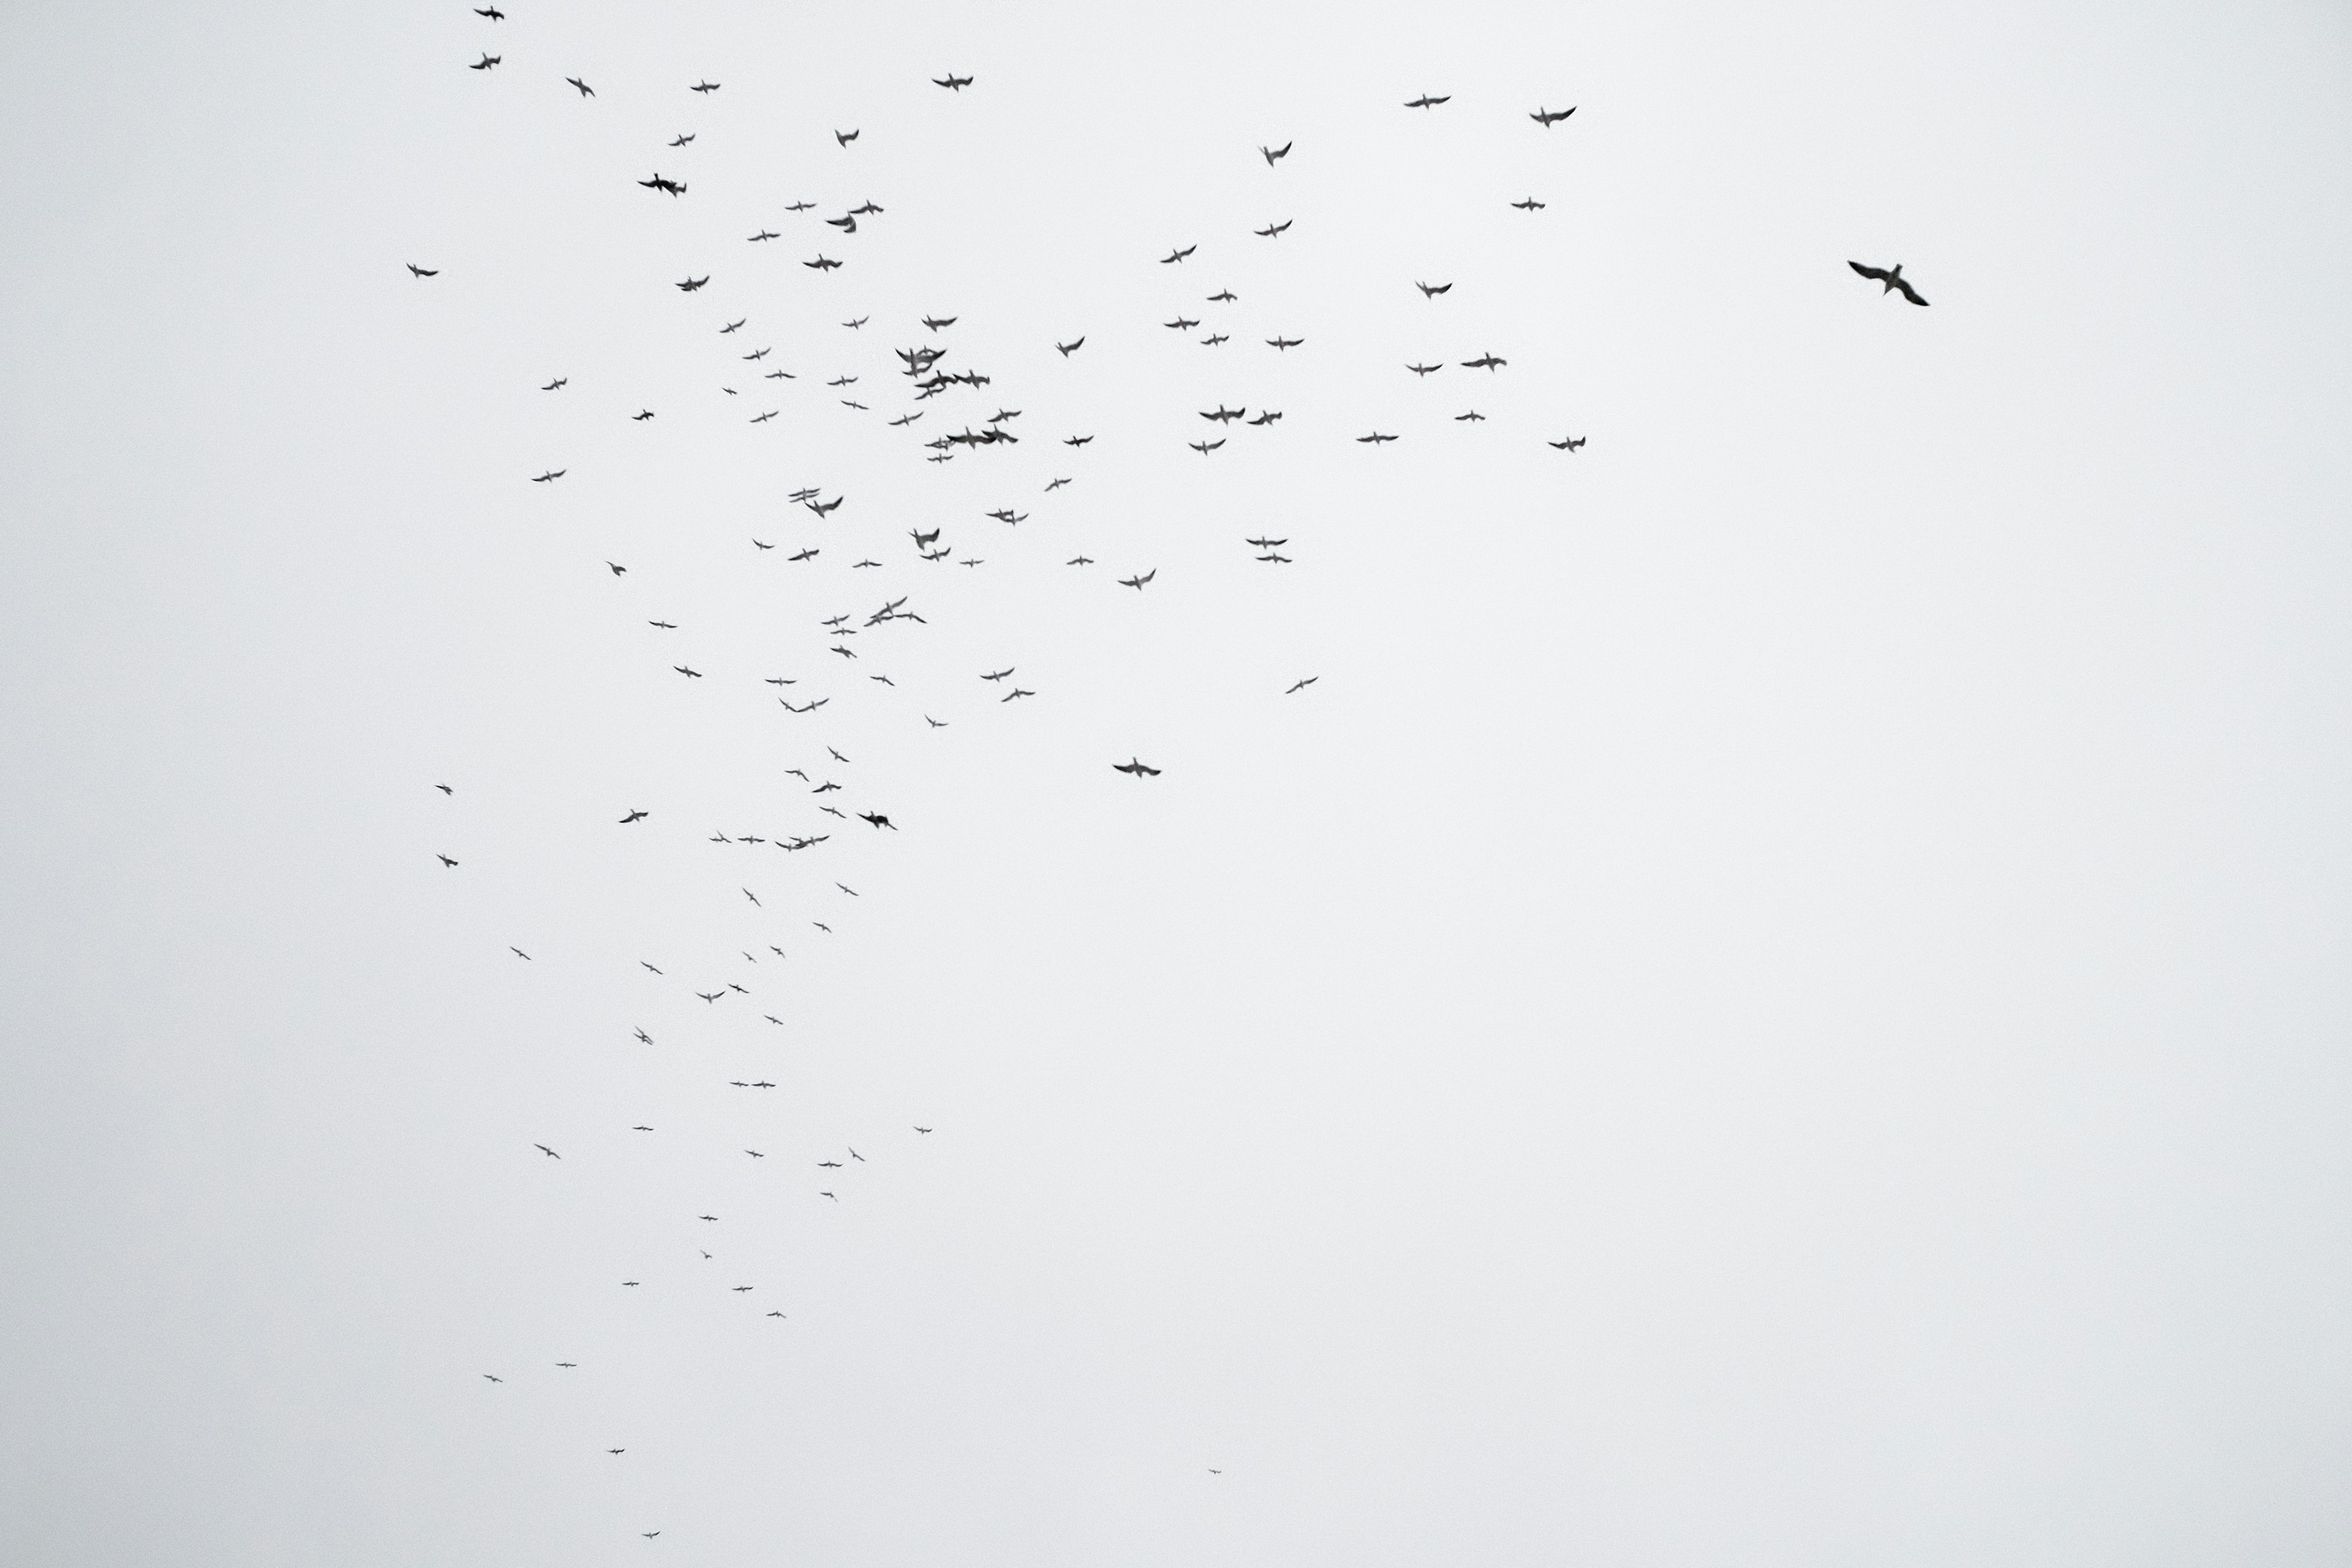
[(493, 13), (822, 263), (1892, 277), (1178, 254), (1424, 369), (1548, 118), (710, 995), (763, 233), (689, 674), (845, 223), (445, 860), (635, 816), (1484, 361), (1266, 416), (1136, 767), (936, 322), (1428, 289), (952, 81), (445, 789), (1206, 448), (1223, 297), (732, 325), (1375, 436), (999, 674), (641, 414), (1138, 583), (663, 626), (799, 206), (557, 382), (1284, 342), (1182, 324), (550, 475), (1067, 350), (423, 271), (1303, 684), (1272, 152), (809, 554), (585, 90), (655, 971), (704, 87), (681, 138), (844, 137), (485, 63), (1214, 339), (879, 820), (658, 184), (1425, 101), (1265, 543), (1529, 206), (1272, 230), (691, 284), (494, 1377), (1570, 445), (546, 1150), (1473, 417)]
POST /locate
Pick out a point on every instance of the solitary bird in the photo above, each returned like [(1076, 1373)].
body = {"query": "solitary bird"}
[(559, 381), (546, 1150), (585, 90), (445, 789), (445, 860), (952, 81), (1284, 342), (1137, 583), (1570, 445), (550, 475), (1178, 254), (1303, 684), (1136, 767), (681, 138), (436, 272), (1529, 206), (844, 137), (1271, 153), (1429, 289), (1067, 350), (493, 13), (1892, 277), (1548, 118), (1272, 230), (485, 63), (1425, 101), (704, 87), (635, 816), (691, 284)]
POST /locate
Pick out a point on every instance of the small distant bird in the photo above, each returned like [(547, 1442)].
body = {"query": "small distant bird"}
[(1570, 445), (546, 1150), (704, 87), (1424, 369), (922, 1130), (753, 897), (1271, 153), (1484, 361), (485, 63), (445, 860), (641, 414), (1891, 278), (1080, 561), (431, 271), (1182, 324), (1272, 230), (691, 284), (1529, 206), (1428, 289), (1284, 342), (1223, 297), (559, 382), (1473, 417), (822, 263), (934, 723), (1425, 101), (710, 995), (952, 81), (1375, 437), (763, 233), (1265, 417), (551, 474), (696, 675), (445, 789), (1265, 543), (1137, 583), (1178, 254), (1303, 684), (936, 322), (1206, 448), (585, 90), (1067, 350), (655, 971), (1136, 767), (844, 137), (520, 953), (493, 1377), (493, 13), (732, 325), (1547, 120), (879, 820), (664, 625), (681, 140), (635, 816)]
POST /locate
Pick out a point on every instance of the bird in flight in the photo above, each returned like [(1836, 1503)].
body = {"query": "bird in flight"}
[(1892, 277), (1424, 369), (1548, 118), (696, 675), (1303, 684), (704, 87), (936, 322), (952, 81), (1570, 445), (844, 137), (1137, 583), (1136, 767), (1265, 543), (436, 272), (1425, 101), (1529, 206), (485, 63), (1214, 339), (1284, 342), (546, 1150), (494, 1377), (493, 13), (1067, 350), (1484, 361), (1223, 297), (763, 233), (585, 90), (691, 284), (879, 820), (551, 474), (798, 207), (1206, 448), (1271, 153), (1265, 417), (445, 860), (559, 382), (681, 138), (659, 184), (641, 414), (733, 325), (1430, 289), (822, 263), (1375, 436), (1272, 230), (1473, 417), (445, 789), (1182, 324), (1178, 254), (635, 816)]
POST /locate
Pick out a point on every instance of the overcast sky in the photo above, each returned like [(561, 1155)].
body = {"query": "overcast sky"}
[(1781, 999)]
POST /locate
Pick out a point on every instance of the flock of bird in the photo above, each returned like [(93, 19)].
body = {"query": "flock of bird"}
[(926, 373)]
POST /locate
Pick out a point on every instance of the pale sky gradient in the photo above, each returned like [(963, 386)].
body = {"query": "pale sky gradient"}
[(1782, 1001)]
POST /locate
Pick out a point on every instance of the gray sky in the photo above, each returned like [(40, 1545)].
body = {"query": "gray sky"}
[(1781, 1000)]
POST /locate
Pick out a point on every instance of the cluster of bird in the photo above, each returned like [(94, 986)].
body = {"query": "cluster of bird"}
[(923, 370)]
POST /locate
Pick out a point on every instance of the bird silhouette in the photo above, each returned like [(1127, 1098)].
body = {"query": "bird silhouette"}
[(1890, 276)]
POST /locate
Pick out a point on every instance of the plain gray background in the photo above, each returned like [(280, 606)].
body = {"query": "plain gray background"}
[(1782, 1001)]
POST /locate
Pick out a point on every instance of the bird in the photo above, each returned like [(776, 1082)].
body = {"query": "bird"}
[(1529, 206), (664, 625), (1375, 437), (641, 414), (710, 995), (935, 723), (445, 860), (952, 81), (879, 820), (732, 325), (559, 382), (1180, 323), (753, 897), (1425, 101), (520, 953), (1547, 119), (1272, 230), (822, 263), (799, 206), (1271, 153), (1570, 445), (1214, 339), (1484, 361), (567, 1363), (1138, 768), (422, 271), (1017, 692), (1223, 297), (1206, 448), (681, 138), (1284, 342), (1891, 276), (1067, 350), (696, 675), (546, 1150), (1080, 561), (1265, 543), (670, 187), (1075, 441), (485, 63), (845, 223), (585, 90), (1222, 414), (550, 475), (764, 234), (1178, 254), (1303, 684), (1137, 583), (493, 13), (1266, 416), (999, 675), (691, 284), (634, 816), (649, 966), (844, 137), (1424, 369), (494, 1377), (922, 1130), (1473, 417), (445, 789), (1430, 289), (704, 87)]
